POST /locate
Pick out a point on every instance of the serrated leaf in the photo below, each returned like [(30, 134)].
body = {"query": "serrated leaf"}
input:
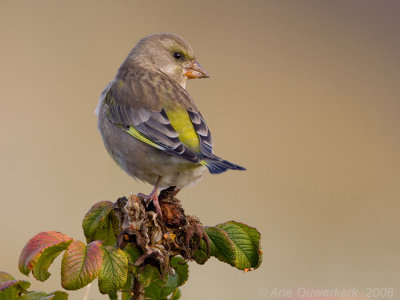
[(81, 264), (114, 271), (179, 277), (234, 243), (221, 246), (99, 225), (40, 252), (58, 295), (247, 242)]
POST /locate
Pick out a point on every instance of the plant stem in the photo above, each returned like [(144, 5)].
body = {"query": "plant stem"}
[(137, 289)]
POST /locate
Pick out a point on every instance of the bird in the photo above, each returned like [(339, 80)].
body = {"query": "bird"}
[(150, 124)]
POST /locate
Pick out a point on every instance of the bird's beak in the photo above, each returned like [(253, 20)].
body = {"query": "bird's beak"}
[(196, 71)]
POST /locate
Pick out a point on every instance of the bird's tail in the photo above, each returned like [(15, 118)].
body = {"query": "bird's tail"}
[(217, 165)]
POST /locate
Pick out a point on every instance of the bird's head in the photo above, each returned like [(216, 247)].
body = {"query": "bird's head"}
[(169, 54)]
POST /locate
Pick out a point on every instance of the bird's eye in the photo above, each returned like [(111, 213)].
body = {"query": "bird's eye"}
[(177, 55)]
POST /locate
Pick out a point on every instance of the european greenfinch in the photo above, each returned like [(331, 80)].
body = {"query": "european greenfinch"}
[(149, 123)]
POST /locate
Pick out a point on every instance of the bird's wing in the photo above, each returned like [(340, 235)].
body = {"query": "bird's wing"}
[(163, 116), (202, 131), (166, 129)]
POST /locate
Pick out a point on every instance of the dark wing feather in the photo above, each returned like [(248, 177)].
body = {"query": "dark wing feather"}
[(153, 125), (203, 132)]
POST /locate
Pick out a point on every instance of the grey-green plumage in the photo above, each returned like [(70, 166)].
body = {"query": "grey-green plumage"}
[(149, 123)]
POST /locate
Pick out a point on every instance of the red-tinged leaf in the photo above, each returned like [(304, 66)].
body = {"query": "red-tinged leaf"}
[(40, 252), (81, 264), (21, 284), (12, 288)]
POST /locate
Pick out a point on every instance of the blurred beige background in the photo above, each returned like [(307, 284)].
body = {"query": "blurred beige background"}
[(305, 94)]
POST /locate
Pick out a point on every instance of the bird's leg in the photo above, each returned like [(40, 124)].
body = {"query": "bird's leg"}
[(154, 196)]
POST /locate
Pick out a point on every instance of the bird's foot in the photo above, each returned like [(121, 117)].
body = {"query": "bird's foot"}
[(154, 198)]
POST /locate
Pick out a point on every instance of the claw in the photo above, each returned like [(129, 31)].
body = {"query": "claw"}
[(154, 197)]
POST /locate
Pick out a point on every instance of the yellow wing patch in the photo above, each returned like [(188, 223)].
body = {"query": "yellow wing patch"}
[(182, 124), (136, 134)]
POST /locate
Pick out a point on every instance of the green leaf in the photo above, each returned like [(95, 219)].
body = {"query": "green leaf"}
[(34, 296), (148, 275), (158, 288), (19, 284), (179, 277), (201, 255), (247, 240), (9, 293), (133, 254), (40, 252), (126, 295), (113, 296), (98, 223), (234, 243), (152, 281), (114, 271), (58, 295), (9, 289), (153, 290), (81, 264), (176, 295), (221, 246)]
